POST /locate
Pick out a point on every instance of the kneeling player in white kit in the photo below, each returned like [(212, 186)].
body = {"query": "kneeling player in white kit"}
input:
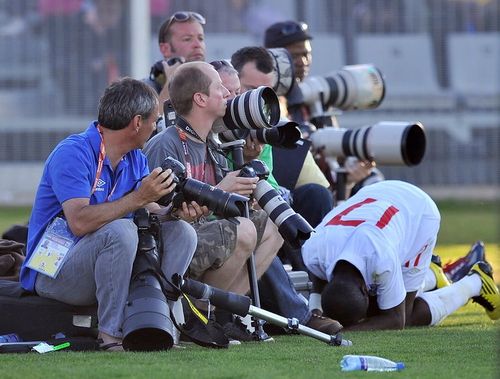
[(379, 244)]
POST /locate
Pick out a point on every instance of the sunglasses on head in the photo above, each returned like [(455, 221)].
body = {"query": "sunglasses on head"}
[(182, 16), (294, 28), (219, 64)]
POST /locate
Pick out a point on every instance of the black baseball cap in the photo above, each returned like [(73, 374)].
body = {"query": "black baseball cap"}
[(281, 34)]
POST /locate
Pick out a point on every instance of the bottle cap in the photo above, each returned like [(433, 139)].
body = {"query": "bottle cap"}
[(400, 366)]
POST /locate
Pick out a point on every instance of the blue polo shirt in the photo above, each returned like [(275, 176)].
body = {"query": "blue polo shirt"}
[(69, 173)]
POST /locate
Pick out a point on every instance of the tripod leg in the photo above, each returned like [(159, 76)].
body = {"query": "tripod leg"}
[(294, 325), (241, 306), (257, 323)]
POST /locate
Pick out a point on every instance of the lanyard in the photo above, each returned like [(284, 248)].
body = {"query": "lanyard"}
[(183, 127), (100, 163)]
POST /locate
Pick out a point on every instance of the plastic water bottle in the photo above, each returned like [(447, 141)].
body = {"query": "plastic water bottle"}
[(369, 363), (12, 337)]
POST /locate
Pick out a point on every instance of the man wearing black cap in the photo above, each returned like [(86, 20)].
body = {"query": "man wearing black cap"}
[(293, 36)]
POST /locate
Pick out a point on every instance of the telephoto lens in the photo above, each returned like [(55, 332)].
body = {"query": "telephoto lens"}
[(284, 135), (147, 325), (353, 87), (254, 109), (284, 73), (387, 142), (292, 226)]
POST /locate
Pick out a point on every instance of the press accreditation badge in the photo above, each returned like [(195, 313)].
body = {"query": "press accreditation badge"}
[(51, 251)]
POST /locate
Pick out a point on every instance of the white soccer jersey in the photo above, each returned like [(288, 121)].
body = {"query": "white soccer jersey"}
[(387, 230)]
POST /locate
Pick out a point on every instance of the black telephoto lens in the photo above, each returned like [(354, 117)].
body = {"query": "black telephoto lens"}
[(147, 325)]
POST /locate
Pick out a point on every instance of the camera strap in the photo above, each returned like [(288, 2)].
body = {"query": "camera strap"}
[(183, 127), (100, 163)]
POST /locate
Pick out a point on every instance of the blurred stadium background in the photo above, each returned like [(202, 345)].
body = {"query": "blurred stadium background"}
[(440, 59)]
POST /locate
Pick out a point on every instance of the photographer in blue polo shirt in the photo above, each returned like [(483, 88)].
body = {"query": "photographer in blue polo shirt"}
[(82, 215)]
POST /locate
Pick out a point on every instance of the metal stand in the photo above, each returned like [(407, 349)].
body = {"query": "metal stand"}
[(293, 325), (236, 148), (241, 305)]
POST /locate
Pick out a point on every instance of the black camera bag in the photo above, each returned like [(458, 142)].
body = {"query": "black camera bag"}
[(36, 318)]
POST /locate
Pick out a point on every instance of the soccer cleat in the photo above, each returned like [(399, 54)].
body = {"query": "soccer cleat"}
[(489, 296), (458, 269), (437, 270)]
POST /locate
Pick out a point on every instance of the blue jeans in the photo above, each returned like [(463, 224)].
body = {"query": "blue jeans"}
[(99, 266), (278, 295)]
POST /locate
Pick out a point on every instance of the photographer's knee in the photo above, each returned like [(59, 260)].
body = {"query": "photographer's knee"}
[(272, 234), (246, 236), (122, 235)]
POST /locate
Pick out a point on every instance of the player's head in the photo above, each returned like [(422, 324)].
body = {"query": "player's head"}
[(182, 35), (294, 37), (345, 297)]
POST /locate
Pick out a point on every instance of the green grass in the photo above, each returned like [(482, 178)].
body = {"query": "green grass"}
[(465, 222), (13, 215), (465, 345)]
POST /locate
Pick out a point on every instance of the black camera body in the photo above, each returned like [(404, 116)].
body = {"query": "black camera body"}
[(158, 74), (221, 203), (284, 135), (255, 168)]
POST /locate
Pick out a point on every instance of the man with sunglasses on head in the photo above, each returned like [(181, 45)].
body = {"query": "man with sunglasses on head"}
[(181, 39)]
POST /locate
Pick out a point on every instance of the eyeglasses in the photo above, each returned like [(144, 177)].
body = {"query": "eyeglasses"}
[(293, 28), (219, 64), (181, 16)]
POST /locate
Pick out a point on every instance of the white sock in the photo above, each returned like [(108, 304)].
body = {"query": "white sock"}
[(315, 301), (430, 280), (444, 301)]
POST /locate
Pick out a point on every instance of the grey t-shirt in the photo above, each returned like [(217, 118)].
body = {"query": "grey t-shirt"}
[(198, 161)]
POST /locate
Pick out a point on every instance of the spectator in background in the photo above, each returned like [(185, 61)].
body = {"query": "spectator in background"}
[(84, 63)]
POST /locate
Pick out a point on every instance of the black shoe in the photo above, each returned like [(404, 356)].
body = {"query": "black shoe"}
[(207, 335), (238, 331)]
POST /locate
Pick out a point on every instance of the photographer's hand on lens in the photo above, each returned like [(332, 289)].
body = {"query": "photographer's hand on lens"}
[(252, 148), (237, 184), (156, 185), (357, 170), (191, 212)]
